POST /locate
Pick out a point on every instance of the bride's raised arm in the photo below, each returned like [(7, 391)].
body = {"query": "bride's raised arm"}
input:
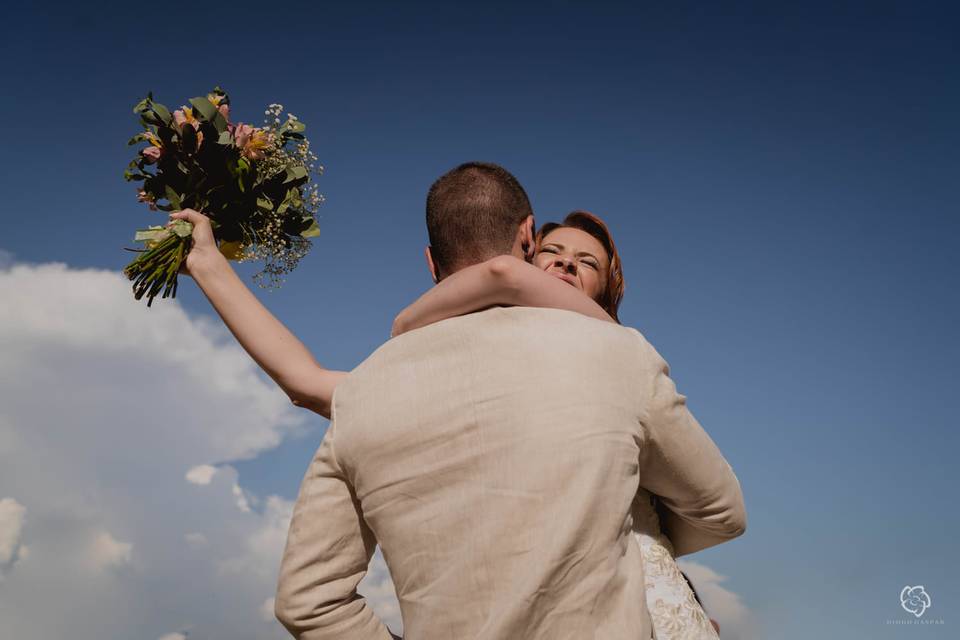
[(278, 352), (503, 280)]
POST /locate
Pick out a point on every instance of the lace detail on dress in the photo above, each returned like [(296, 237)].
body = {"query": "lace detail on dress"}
[(674, 611)]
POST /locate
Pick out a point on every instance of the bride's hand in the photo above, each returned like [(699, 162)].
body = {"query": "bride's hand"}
[(399, 324), (203, 251)]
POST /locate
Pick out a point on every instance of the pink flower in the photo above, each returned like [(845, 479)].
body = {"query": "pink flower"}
[(241, 134), (256, 148), (152, 154), (185, 116), (180, 116), (253, 142), (224, 110)]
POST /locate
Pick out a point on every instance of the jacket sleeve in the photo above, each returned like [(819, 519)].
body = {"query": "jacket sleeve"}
[(328, 549), (680, 463)]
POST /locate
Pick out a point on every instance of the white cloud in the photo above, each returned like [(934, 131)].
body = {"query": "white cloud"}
[(261, 548), (721, 604), (201, 474), (196, 539), (240, 498), (11, 525), (377, 587), (103, 404), (107, 551)]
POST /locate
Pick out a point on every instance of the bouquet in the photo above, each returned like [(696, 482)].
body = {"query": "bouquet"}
[(252, 182)]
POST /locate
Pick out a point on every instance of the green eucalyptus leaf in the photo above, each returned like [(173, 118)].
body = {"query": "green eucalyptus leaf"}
[(296, 199), (163, 113), (243, 170), (296, 172), (204, 108), (225, 138), (143, 105), (312, 231), (288, 200), (172, 196), (219, 122)]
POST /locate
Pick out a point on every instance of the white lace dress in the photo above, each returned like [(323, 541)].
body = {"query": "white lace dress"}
[(674, 611)]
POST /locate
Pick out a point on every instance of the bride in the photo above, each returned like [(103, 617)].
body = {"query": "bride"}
[(575, 267)]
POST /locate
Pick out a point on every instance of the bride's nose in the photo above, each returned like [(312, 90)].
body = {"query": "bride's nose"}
[(566, 263)]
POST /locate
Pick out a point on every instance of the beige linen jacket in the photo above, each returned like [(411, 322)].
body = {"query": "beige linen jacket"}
[(495, 458)]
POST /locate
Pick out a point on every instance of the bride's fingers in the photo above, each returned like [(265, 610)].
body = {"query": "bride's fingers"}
[(190, 215), (200, 222)]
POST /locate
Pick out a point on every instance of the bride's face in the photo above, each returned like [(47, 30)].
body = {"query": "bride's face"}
[(577, 258)]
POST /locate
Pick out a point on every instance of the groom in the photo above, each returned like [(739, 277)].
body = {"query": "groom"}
[(495, 457)]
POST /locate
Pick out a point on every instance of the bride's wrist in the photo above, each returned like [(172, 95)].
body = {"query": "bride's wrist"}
[(209, 265)]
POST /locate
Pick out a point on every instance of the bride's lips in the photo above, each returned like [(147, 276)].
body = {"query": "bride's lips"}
[(566, 277)]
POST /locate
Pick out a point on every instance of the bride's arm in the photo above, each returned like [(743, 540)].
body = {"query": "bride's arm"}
[(278, 352), (502, 280)]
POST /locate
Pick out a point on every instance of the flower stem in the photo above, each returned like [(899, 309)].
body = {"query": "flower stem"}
[(157, 268)]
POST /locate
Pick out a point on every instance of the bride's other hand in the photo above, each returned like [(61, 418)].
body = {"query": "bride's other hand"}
[(502, 280), (203, 252), (400, 324)]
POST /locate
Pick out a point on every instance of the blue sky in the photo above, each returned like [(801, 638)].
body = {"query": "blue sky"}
[(781, 183)]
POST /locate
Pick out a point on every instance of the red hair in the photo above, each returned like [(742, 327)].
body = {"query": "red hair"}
[(585, 221)]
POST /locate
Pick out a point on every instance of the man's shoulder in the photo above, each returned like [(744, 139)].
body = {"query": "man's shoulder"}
[(560, 320), (490, 331), (576, 333), (509, 319), (460, 360)]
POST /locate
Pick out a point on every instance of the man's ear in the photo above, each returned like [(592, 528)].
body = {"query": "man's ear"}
[(528, 238), (431, 265)]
